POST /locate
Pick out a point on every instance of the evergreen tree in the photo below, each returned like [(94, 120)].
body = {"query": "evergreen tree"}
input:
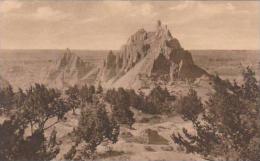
[(36, 106), (120, 102), (159, 101), (42, 104), (99, 89), (18, 146), (87, 94), (19, 98), (250, 88), (229, 127), (94, 127), (189, 106), (6, 97), (73, 94)]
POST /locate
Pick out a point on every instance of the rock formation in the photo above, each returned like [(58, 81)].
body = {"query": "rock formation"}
[(150, 136), (149, 57), (69, 69)]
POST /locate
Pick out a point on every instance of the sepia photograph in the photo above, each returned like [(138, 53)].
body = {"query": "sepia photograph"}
[(129, 80)]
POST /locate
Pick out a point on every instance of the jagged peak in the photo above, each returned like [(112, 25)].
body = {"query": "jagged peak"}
[(163, 31), (69, 58), (110, 53), (159, 23), (69, 69), (68, 54), (139, 35)]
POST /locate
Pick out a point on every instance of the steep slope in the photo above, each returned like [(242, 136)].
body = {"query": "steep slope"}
[(149, 57), (69, 69)]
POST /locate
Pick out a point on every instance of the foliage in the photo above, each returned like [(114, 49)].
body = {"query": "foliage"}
[(35, 107), (19, 98), (87, 93), (17, 146), (157, 102), (229, 127), (189, 106), (99, 89), (78, 97), (250, 88), (73, 99), (94, 127), (160, 101), (42, 104), (6, 97), (120, 101)]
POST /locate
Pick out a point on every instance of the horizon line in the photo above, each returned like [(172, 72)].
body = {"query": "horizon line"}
[(102, 49)]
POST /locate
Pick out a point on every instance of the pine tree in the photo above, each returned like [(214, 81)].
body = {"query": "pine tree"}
[(189, 106), (94, 127), (229, 127), (20, 97), (250, 88), (6, 97), (42, 104), (18, 146), (159, 101), (73, 94), (87, 94), (99, 89), (120, 102)]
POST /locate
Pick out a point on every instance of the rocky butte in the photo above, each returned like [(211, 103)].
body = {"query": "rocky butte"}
[(69, 69), (146, 58)]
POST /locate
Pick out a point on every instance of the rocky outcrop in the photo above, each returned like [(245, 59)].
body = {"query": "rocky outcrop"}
[(148, 57), (69, 69), (150, 136)]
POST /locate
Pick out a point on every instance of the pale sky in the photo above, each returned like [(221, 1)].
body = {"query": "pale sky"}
[(31, 24)]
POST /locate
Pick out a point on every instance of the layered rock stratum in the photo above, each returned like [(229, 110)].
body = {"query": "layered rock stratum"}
[(146, 58)]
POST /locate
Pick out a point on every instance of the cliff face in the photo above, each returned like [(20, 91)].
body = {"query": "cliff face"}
[(147, 57), (69, 69)]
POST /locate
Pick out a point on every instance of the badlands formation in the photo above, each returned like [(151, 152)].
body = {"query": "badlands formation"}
[(146, 58)]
